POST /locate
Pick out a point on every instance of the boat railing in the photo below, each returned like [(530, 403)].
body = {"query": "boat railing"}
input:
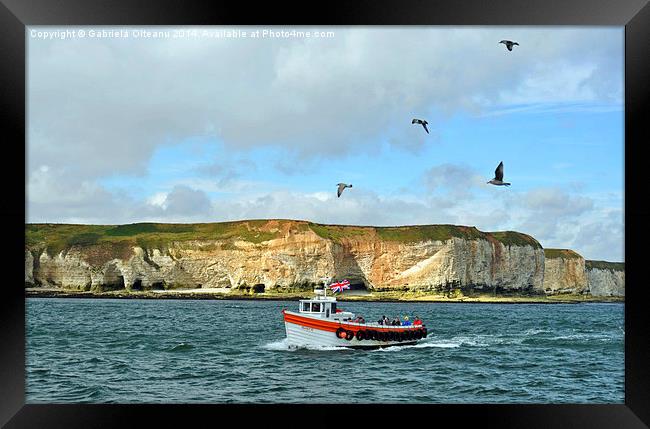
[(377, 325)]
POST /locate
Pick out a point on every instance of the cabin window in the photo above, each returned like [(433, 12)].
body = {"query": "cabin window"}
[(305, 306), (333, 306), (315, 307)]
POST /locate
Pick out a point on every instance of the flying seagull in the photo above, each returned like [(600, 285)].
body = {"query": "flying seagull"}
[(509, 44), (422, 122), (498, 176), (342, 187)]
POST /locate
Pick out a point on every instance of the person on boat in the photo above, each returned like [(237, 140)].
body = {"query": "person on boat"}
[(360, 319), (417, 321), (380, 321), (385, 320), (406, 321), (396, 322)]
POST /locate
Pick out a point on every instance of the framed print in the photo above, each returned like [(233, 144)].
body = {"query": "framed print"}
[(365, 210)]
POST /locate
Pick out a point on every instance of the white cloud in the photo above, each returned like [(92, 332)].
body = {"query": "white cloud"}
[(556, 203), (104, 105), (158, 199), (458, 180)]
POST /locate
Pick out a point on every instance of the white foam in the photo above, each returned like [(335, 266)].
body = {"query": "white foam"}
[(283, 345), (422, 345), (443, 345), (277, 345), (534, 331)]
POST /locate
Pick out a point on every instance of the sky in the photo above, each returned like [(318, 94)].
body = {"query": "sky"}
[(210, 124)]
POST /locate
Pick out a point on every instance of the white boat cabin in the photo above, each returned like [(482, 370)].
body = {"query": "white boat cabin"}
[(323, 306)]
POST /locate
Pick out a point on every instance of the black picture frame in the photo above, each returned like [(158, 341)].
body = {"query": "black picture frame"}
[(15, 15)]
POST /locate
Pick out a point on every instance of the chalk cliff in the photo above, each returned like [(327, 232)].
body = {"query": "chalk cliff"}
[(281, 255), (287, 255), (606, 278), (564, 272)]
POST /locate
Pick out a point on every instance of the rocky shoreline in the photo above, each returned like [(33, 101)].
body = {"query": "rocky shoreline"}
[(374, 297)]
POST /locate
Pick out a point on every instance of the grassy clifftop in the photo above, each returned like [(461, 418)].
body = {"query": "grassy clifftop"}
[(604, 265), (417, 233), (561, 253), (58, 237)]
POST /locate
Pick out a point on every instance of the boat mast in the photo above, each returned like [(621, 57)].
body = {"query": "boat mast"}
[(325, 281)]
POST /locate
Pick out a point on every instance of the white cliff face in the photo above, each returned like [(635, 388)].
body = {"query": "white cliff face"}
[(29, 267), (476, 264), (63, 270), (606, 282), (565, 275), (299, 259)]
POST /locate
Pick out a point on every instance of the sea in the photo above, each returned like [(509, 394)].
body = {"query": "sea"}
[(234, 351)]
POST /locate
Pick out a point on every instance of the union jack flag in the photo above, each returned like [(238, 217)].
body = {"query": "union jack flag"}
[(339, 286)]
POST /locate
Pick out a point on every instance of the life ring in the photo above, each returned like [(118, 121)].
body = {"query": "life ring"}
[(409, 335), (349, 335), (424, 332), (393, 336), (361, 335), (339, 332), (400, 336), (418, 334)]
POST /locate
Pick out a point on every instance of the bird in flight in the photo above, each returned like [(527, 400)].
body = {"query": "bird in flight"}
[(509, 44), (341, 188), (421, 122), (498, 176)]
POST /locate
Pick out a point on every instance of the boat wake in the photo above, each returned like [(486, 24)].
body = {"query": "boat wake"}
[(422, 345), (283, 345)]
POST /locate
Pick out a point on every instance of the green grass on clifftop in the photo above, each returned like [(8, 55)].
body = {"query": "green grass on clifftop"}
[(512, 238), (561, 253), (411, 234), (604, 265), (58, 237), (338, 232)]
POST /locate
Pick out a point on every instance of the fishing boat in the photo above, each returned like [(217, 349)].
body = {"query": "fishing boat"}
[(318, 322)]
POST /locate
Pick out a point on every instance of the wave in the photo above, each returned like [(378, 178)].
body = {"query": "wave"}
[(587, 337), (181, 347), (95, 359), (535, 331)]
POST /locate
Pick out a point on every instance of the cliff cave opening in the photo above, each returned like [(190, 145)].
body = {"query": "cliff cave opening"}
[(113, 279), (259, 288), (113, 284), (158, 286), (358, 286), (137, 285)]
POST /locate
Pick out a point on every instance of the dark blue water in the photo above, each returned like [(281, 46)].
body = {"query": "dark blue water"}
[(146, 351)]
